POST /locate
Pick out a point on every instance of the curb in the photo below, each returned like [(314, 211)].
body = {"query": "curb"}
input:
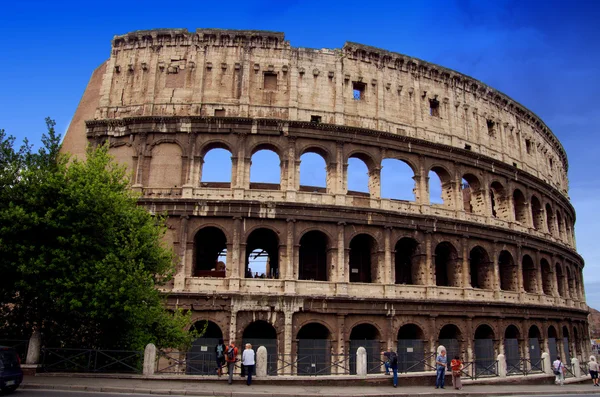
[(124, 390)]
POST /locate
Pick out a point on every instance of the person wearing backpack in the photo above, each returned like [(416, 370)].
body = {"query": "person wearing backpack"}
[(391, 362), (220, 356), (559, 371), (231, 358)]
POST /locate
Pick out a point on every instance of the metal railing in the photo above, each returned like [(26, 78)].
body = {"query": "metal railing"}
[(524, 367), (425, 364), (91, 360), (475, 370), (311, 365)]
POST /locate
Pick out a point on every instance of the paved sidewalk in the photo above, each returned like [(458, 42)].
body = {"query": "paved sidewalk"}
[(239, 388)]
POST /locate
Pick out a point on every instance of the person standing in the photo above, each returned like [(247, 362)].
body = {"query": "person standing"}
[(456, 365), (559, 371), (594, 368), (391, 362), (231, 358), (441, 361), (248, 362), (220, 356)]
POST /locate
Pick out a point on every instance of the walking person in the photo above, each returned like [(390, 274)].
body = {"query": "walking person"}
[(559, 371), (391, 362), (441, 361), (231, 358), (248, 362), (220, 356), (594, 368), (456, 365)]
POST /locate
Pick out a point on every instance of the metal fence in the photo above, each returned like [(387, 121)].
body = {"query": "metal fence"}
[(91, 360), (524, 367)]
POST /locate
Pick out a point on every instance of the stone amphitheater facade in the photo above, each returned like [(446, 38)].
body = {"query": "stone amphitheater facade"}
[(496, 262)]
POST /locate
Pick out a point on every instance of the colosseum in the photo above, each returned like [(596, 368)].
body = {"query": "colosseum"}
[(491, 268)]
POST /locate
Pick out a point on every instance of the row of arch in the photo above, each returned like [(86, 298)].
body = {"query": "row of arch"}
[(316, 261), (397, 178)]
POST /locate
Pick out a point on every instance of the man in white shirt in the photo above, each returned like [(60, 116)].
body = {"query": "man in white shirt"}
[(559, 371), (248, 362)]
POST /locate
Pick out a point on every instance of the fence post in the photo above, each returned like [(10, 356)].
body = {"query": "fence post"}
[(361, 362), (547, 365), (501, 366), (149, 359), (261, 361), (33, 350), (576, 367)]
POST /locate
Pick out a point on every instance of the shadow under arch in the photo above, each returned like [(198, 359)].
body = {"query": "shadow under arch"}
[(200, 358)]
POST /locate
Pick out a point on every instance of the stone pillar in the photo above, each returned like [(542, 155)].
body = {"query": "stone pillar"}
[(547, 363), (519, 261), (233, 325), (576, 368), (340, 177), (469, 339), (501, 365), (422, 181), (538, 274), (389, 270), (235, 268), (289, 251), (341, 254), (34, 348), (430, 263), (466, 280), (496, 270), (184, 269), (287, 337), (375, 182), (261, 361), (138, 180), (361, 362), (433, 337), (149, 359), (339, 342), (293, 168)]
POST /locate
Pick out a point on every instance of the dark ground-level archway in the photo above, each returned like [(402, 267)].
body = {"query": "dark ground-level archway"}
[(314, 350), (485, 355), (552, 343), (566, 346), (367, 336), (411, 349), (512, 350), (535, 348), (201, 359), (261, 333), (450, 337)]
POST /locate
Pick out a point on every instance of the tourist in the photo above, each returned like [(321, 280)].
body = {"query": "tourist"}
[(441, 361), (456, 365), (559, 371), (231, 358), (391, 362), (593, 368), (248, 362), (220, 349)]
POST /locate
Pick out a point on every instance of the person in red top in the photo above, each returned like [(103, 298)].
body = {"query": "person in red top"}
[(456, 365), (231, 358)]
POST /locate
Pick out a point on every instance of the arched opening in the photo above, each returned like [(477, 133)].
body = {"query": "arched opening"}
[(550, 220), (216, 169), (472, 195), (566, 346), (358, 176), (552, 347), (535, 350), (262, 254), (560, 226), (411, 348), (313, 256), (367, 336), (485, 356), (560, 280), (397, 180), (200, 358), (440, 186), (406, 265), (313, 173), (529, 274), (210, 251), (363, 249), (482, 272), (265, 170), (511, 350), (447, 271), (520, 209), (261, 333), (508, 272), (536, 213), (499, 201), (570, 283), (547, 275), (165, 166), (314, 350), (450, 337)]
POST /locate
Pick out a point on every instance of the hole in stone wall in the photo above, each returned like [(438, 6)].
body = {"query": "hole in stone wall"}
[(358, 90), (468, 147), (491, 127), (434, 108), (560, 279), (481, 269), (549, 220), (528, 146), (536, 213), (315, 119), (210, 251), (547, 275), (313, 256), (520, 209), (216, 168), (446, 266), (406, 267), (362, 248), (529, 274), (508, 273)]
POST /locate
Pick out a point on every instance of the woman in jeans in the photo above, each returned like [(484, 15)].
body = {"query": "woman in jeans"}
[(248, 362)]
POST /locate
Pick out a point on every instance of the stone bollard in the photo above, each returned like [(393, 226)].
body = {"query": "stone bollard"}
[(575, 366), (547, 364), (149, 359), (361, 362), (501, 366), (261, 361), (33, 350)]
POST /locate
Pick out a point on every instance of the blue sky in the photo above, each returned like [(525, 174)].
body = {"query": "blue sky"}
[(544, 54)]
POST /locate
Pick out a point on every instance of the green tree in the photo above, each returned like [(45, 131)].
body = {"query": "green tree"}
[(80, 260)]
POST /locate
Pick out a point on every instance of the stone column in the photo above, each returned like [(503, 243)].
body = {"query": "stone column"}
[(466, 282), (233, 325), (290, 241), (458, 197), (339, 345), (234, 268), (361, 362), (389, 271), (149, 359), (469, 339), (538, 273), (341, 254), (375, 182), (340, 177), (430, 264), (287, 338), (496, 270), (422, 183), (34, 347), (261, 361), (141, 158), (519, 261), (185, 269)]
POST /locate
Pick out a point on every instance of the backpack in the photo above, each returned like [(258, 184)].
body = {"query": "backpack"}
[(219, 351), (393, 358), (230, 354)]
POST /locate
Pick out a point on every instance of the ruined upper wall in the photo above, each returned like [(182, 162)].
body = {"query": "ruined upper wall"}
[(212, 72)]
